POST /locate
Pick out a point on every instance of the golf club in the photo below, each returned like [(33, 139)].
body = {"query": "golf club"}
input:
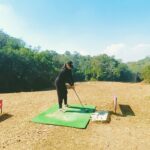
[(86, 109), (78, 98)]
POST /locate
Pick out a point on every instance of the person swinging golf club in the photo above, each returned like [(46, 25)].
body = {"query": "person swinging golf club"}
[(65, 76)]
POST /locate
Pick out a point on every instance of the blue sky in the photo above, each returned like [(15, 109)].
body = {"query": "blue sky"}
[(115, 27)]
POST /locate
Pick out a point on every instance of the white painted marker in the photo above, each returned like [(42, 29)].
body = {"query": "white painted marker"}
[(115, 104)]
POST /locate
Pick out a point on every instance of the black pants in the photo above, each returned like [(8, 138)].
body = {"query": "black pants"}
[(61, 93), (60, 100)]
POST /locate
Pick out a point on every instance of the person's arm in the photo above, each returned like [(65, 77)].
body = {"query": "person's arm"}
[(70, 78)]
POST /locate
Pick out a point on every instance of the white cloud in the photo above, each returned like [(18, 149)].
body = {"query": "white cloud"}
[(10, 22), (128, 52), (142, 46), (114, 49), (15, 25)]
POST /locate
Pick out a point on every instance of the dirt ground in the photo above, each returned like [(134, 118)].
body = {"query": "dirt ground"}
[(121, 133)]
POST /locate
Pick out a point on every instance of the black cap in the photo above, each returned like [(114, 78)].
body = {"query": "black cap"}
[(70, 63)]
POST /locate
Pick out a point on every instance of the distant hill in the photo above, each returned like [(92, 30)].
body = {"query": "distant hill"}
[(137, 66)]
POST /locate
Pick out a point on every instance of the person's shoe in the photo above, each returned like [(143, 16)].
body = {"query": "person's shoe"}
[(66, 106), (60, 110)]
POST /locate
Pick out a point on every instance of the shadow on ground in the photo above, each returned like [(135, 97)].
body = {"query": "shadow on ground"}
[(126, 110), (116, 114), (81, 110), (5, 116)]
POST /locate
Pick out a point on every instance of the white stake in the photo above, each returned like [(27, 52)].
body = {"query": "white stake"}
[(115, 104)]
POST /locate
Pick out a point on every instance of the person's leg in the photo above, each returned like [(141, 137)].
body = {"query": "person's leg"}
[(60, 102), (59, 94), (65, 95), (60, 98), (65, 99)]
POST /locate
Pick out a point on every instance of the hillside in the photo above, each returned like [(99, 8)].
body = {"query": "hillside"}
[(139, 65)]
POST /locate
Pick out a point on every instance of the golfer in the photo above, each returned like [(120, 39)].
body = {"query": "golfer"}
[(65, 76)]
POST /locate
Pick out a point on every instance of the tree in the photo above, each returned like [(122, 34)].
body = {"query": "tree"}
[(146, 73), (25, 68)]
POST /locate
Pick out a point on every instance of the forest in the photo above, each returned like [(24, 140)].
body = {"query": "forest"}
[(24, 68)]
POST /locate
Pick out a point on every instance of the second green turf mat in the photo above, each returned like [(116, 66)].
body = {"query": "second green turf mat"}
[(75, 116)]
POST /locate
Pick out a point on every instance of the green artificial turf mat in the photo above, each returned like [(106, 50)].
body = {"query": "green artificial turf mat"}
[(75, 116)]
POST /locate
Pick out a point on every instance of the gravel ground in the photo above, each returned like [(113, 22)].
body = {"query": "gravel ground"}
[(123, 132)]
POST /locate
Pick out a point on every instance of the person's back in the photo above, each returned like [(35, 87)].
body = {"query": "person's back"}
[(65, 76)]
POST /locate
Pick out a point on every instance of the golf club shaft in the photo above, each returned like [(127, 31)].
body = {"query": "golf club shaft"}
[(78, 98)]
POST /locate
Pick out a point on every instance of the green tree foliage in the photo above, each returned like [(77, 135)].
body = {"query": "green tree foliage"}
[(137, 68), (24, 69), (107, 68), (146, 73)]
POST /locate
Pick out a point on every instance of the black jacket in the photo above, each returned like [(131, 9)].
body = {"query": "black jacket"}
[(65, 76)]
